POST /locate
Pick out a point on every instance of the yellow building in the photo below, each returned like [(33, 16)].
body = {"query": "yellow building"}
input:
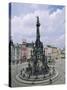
[(52, 53)]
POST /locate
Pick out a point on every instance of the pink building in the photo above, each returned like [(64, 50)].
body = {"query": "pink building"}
[(24, 51)]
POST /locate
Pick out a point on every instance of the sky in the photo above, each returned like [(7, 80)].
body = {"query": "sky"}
[(52, 20)]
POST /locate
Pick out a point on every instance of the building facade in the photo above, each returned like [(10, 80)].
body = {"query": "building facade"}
[(21, 52), (12, 52), (52, 53)]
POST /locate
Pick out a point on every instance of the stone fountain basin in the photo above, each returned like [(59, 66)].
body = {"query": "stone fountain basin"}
[(39, 80)]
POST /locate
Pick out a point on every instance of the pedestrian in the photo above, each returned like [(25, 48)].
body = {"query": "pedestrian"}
[(50, 81)]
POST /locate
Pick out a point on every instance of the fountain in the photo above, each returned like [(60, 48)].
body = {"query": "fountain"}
[(37, 69)]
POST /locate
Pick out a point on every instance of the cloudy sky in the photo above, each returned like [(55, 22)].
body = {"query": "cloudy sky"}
[(52, 20)]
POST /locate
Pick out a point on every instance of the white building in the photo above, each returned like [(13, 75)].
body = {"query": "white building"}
[(63, 53)]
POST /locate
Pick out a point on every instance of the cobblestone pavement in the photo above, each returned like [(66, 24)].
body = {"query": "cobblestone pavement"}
[(60, 67)]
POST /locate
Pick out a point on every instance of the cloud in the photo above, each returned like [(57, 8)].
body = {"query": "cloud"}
[(52, 26), (60, 41)]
